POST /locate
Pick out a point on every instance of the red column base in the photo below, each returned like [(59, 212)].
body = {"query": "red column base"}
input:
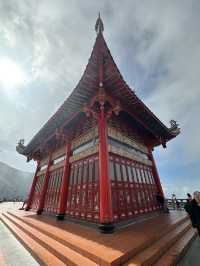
[(60, 216), (106, 228), (39, 212)]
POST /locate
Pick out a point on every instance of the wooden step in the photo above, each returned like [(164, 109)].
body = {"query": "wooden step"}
[(151, 254), (89, 247), (62, 252), (177, 251), (76, 243), (41, 254)]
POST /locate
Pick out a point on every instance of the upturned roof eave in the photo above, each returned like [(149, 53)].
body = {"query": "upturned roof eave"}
[(63, 113)]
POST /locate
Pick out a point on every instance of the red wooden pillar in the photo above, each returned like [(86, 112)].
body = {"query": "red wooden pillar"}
[(45, 186), (155, 174), (106, 213), (65, 182), (32, 190)]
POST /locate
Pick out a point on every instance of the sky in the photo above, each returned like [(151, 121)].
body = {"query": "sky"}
[(45, 46)]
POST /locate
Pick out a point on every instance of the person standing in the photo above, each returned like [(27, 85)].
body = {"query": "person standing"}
[(189, 197), (174, 201), (193, 209)]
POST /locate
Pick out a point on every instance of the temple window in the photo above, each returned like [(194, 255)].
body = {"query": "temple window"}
[(71, 176), (124, 174), (111, 172), (85, 170), (118, 171), (134, 174), (151, 176), (130, 174), (96, 170), (90, 171), (75, 174), (138, 175), (80, 173)]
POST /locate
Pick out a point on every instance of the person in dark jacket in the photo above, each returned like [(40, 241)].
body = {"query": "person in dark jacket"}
[(189, 197), (193, 209), (161, 201)]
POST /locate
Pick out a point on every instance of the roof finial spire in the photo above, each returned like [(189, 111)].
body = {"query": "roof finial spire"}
[(99, 25)]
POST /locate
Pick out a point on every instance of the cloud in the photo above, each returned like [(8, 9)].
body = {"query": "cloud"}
[(155, 45)]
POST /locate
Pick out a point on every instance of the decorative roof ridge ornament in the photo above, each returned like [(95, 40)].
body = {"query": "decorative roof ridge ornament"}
[(174, 129), (20, 146), (99, 28)]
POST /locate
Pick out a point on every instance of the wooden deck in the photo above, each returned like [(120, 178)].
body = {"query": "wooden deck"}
[(159, 240)]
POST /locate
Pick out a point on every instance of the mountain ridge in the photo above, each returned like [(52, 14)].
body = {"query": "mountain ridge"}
[(14, 183)]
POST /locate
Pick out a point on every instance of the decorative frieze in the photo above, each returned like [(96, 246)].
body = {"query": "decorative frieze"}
[(116, 134), (126, 154), (93, 133), (41, 172), (58, 153), (44, 161), (85, 153), (56, 166)]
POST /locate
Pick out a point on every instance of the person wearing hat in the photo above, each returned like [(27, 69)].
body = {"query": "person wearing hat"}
[(193, 209)]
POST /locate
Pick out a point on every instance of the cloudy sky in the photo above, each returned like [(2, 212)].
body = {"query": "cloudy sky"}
[(45, 46)]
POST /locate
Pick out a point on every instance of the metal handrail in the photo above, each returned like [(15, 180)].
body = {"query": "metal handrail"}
[(176, 205)]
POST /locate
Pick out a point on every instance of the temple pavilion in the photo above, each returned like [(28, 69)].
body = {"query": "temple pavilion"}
[(94, 155)]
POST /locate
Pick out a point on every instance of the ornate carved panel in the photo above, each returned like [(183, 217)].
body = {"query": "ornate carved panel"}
[(52, 197), (37, 192), (83, 196), (133, 188)]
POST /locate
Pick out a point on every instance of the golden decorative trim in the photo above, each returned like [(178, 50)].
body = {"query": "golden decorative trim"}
[(84, 154), (116, 134), (93, 133), (126, 154)]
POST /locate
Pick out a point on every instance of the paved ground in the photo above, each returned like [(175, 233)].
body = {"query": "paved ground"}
[(192, 256), (8, 206), (12, 252)]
